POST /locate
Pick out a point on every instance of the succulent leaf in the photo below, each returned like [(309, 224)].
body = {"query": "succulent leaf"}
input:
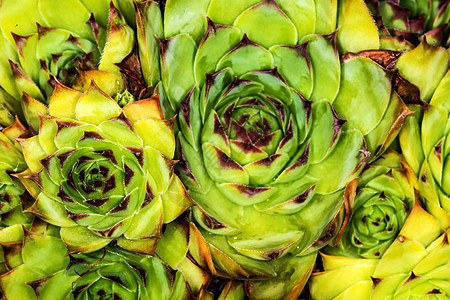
[(354, 15)]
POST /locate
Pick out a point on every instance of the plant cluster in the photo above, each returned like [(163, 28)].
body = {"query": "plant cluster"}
[(224, 149)]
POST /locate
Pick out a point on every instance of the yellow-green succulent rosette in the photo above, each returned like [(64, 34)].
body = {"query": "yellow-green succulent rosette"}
[(415, 266), (103, 173), (378, 206), (41, 40)]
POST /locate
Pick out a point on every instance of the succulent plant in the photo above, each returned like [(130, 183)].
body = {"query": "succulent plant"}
[(103, 173), (412, 21), (113, 272), (424, 139), (39, 269), (378, 206), (278, 114), (268, 134), (415, 265), (62, 39)]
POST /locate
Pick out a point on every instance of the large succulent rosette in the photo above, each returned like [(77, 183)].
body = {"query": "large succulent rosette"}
[(103, 173), (416, 265), (425, 140), (378, 205), (38, 268), (43, 40), (412, 21), (268, 132)]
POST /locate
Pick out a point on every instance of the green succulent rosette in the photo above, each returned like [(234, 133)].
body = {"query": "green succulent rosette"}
[(416, 265), (38, 268), (378, 206), (103, 173), (408, 22), (116, 273), (267, 130), (424, 140), (43, 40)]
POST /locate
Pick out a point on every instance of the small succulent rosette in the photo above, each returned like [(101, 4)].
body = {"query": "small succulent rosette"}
[(416, 265), (38, 268), (44, 40), (378, 206), (408, 22), (424, 140), (13, 195), (103, 173)]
